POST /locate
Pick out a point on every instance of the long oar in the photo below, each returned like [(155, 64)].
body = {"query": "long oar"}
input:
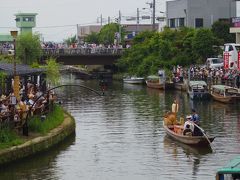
[(203, 133)]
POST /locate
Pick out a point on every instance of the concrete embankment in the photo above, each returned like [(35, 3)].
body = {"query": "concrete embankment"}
[(40, 143)]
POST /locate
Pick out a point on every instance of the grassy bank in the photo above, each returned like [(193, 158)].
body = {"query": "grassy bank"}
[(52, 120), (9, 138)]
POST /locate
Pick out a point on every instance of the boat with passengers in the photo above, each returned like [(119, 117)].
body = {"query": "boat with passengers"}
[(231, 171), (177, 132), (225, 94)]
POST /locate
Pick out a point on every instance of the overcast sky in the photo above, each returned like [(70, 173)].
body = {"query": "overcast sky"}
[(69, 13)]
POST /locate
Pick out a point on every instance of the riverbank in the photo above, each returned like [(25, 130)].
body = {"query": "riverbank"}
[(36, 143)]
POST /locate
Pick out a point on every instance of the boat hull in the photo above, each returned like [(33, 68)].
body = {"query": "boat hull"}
[(196, 95), (190, 140), (180, 86), (133, 81), (155, 85), (222, 98)]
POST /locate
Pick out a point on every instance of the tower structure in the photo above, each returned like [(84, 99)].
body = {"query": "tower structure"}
[(25, 21)]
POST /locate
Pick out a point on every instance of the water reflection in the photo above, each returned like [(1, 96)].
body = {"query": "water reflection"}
[(39, 166), (192, 154)]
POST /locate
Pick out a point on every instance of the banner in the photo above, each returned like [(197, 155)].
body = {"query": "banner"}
[(226, 60), (238, 62)]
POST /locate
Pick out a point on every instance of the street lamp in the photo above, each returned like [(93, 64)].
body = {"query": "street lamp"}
[(16, 78)]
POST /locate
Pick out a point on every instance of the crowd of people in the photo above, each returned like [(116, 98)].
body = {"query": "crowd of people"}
[(229, 77), (14, 110), (4, 47)]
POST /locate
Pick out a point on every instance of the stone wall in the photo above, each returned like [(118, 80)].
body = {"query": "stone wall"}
[(40, 143)]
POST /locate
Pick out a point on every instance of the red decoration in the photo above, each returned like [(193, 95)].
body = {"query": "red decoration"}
[(226, 56), (238, 64)]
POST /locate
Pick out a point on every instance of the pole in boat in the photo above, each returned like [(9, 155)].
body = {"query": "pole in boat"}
[(203, 133)]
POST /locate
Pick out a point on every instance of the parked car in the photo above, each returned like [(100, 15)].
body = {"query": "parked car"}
[(214, 63)]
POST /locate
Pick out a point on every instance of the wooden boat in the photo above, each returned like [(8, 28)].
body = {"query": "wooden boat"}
[(133, 80), (225, 94), (175, 132), (180, 86), (198, 90), (230, 171), (155, 82), (169, 85)]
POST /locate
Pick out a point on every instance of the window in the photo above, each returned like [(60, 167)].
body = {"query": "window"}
[(230, 48), (181, 22), (198, 22), (28, 19), (172, 23)]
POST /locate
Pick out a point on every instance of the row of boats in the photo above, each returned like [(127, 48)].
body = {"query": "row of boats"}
[(195, 89), (221, 93)]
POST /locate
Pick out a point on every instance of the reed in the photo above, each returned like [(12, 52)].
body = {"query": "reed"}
[(53, 119), (9, 138)]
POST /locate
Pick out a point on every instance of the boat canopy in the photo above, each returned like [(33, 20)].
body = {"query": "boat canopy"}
[(153, 77), (223, 87), (197, 83), (232, 167)]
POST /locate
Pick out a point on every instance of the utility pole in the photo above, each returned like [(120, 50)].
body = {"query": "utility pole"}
[(119, 21), (101, 19), (77, 34), (137, 20), (153, 14), (108, 19)]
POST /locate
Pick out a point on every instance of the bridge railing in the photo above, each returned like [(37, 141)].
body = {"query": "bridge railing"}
[(82, 51)]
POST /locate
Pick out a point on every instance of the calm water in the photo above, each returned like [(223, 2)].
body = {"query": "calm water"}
[(120, 136)]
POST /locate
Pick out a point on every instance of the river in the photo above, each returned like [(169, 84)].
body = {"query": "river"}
[(120, 136)]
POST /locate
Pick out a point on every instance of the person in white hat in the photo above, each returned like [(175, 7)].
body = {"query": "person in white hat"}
[(188, 124)]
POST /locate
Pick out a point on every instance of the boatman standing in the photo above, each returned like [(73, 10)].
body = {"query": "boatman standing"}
[(175, 107)]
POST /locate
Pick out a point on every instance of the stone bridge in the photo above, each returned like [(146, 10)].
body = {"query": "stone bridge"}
[(84, 56)]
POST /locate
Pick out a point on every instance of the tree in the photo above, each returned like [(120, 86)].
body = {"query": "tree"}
[(28, 48), (220, 30), (52, 71), (202, 44), (107, 33), (71, 40), (92, 38)]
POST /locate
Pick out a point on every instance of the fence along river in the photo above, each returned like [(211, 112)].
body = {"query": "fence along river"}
[(120, 136)]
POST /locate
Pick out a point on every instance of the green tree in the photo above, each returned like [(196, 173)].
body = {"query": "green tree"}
[(28, 48), (71, 40), (92, 38), (3, 77), (202, 44), (52, 71), (107, 33), (220, 30)]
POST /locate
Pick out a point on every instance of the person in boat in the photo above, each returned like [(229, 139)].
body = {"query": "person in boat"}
[(175, 107), (196, 120), (188, 128)]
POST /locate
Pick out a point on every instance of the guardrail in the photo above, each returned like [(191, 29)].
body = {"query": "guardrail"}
[(76, 51), (82, 51)]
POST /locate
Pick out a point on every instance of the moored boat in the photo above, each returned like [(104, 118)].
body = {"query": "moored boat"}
[(230, 171), (198, 90), (133, 80), (176, 132), (225, 94), (155, 82)]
